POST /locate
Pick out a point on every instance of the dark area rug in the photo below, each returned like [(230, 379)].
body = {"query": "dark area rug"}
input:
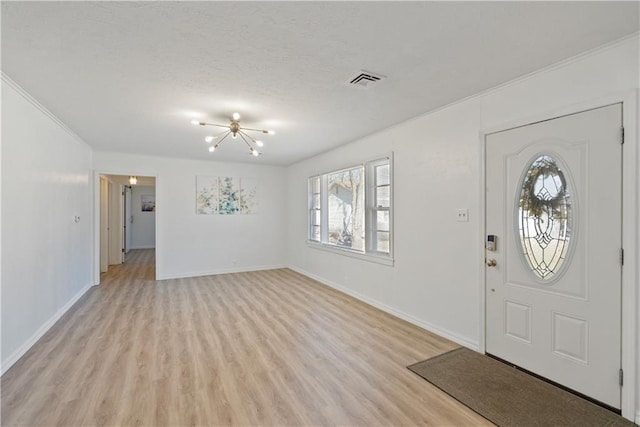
[(507, 396)]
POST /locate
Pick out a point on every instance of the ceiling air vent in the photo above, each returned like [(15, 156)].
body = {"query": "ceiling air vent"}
[(365, 79)]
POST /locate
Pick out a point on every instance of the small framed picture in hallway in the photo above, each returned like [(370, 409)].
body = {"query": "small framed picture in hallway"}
[(148, 202)]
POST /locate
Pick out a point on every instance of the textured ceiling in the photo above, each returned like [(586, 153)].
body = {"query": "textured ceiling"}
[(129, 76)]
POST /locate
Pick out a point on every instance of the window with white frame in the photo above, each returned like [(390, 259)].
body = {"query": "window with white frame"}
[(314, 208), (351, 208), (379, 206)]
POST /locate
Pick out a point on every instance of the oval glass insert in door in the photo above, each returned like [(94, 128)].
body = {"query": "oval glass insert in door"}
[(545, 218)]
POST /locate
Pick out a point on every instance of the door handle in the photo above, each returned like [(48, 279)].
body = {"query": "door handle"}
[(491, 262)]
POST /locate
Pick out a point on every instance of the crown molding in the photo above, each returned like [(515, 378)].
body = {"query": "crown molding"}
[(33, 101)]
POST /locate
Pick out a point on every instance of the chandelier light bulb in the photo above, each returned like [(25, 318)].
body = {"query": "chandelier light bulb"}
[(259, 143), (209, 139), (212, 149), (234, 135), (195, 122), (271, 132), (236, 116), (255, 152)]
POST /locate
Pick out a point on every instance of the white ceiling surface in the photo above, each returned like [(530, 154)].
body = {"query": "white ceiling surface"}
[(129, 76)]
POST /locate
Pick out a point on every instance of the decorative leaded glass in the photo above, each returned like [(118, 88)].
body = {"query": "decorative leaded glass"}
[(545, 217)]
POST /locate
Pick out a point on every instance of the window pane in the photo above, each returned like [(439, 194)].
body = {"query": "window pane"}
[(315, 217), (382, 197), (382, 175), (315, 184), (315, 201), (382, 220), (382, 243), (346, 208), (315, 233)]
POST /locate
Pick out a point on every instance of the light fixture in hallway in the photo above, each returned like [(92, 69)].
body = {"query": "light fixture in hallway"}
[(133, 180)]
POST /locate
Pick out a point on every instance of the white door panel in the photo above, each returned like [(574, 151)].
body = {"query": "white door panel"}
[(553, 298)]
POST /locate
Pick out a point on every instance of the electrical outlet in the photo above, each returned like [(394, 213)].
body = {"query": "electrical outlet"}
[(463, 215)]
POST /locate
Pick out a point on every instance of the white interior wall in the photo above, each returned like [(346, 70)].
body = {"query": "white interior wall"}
[(192, 245), (143, 228), (46, 183), (437, 276)]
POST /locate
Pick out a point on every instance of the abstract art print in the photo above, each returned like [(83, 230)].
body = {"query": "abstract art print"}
[(207, 195), (225, 195)]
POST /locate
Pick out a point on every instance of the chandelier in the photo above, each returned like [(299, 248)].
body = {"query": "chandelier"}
[(235, 130)]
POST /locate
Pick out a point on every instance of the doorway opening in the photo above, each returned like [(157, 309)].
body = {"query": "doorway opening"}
[(127, 219)]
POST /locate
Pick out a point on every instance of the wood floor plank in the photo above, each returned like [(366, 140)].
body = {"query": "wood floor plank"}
[(259, 348)]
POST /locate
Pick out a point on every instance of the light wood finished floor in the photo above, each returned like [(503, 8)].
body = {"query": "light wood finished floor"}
[(260, 348)]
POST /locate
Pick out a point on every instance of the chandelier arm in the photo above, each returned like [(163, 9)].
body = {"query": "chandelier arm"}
[(256, 130), (213, 124), (218, 134), (242, 135), (250, 137), (223, 138)]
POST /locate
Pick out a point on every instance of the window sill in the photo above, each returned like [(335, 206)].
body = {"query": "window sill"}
[(378, 259)]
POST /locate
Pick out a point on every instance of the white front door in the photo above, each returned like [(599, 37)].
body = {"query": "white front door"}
[(553, 283)]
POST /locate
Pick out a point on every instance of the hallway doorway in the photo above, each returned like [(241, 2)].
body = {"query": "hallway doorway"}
[(126, 218)]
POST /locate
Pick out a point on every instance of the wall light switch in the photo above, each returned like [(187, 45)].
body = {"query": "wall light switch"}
[(463, 215)]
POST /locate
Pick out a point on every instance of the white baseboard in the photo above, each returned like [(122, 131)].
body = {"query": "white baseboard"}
[(218, 271), (637, 421), (11, 360), (464, 341)]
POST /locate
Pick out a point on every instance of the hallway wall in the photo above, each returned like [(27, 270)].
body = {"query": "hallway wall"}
[(143, 228)]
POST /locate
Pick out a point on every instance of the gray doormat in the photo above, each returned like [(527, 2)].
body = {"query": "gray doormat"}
[(507, 396)]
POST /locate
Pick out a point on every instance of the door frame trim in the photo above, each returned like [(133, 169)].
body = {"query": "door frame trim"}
[(630, 237), (96, 219)]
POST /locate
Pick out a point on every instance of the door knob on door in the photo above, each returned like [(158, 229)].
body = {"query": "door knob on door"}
[(491, 262)]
